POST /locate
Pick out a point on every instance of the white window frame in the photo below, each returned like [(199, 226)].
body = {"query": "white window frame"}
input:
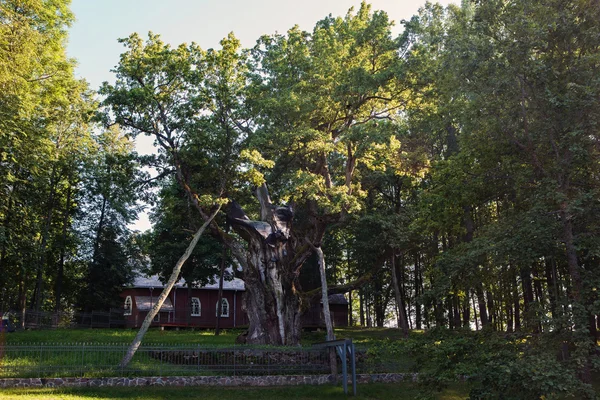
[(199, 313), (128, 310), (224, 301)]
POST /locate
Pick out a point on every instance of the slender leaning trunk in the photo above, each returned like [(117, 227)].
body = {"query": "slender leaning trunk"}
[(167, 289)]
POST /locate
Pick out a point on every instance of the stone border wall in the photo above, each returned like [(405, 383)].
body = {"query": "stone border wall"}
[(271, 380)]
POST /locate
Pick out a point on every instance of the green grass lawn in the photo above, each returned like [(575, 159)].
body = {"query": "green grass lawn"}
[(61, 362), (361, 336), (100, 336), (438, 356), (369, 391)]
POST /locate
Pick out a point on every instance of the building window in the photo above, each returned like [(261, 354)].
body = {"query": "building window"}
[(196, 309), (156, 317), (224, 308), (127, 307)]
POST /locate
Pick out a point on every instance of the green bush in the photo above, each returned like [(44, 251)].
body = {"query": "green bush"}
[(530, 376), (496, 365)]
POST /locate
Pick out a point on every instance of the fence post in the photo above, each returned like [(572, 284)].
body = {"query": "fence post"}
[(82, 358), (353, 349), (40, 362), (162, 356)]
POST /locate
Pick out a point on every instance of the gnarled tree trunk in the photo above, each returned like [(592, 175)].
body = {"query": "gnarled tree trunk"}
[(271, 299)]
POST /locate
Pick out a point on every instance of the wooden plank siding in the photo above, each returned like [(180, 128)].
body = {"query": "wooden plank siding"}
[(180, 314)]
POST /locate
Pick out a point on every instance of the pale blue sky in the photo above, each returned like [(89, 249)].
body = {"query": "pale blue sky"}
[(99, 23), (93, 37)]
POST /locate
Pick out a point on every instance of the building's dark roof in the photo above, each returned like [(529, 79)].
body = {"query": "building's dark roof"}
[(337, 299), (236, 284), (153, 282)]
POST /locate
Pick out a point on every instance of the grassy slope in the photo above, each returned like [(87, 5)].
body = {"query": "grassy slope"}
[(373, 391)]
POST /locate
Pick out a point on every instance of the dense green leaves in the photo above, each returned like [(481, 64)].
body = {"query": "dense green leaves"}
[(462, 153)]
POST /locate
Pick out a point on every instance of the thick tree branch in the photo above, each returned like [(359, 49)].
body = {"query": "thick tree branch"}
[(313, 295)]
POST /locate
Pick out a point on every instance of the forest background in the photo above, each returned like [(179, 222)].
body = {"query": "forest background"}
[(449, 172)]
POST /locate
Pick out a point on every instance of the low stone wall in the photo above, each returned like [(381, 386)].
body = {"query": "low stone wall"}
[(273, 380)]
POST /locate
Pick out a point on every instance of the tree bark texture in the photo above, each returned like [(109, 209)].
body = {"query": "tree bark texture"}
[(271, 299)]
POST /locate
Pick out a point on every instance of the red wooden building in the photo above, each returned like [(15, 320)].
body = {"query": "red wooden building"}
[(197, 307)]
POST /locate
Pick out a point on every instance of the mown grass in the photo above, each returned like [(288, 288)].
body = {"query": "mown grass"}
[(361, 336), (78, 352), (369, 391), (438, 356), (68, 361), (100, 336)]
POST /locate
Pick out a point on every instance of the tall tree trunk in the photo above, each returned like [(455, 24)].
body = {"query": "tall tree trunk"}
[(368, 313), (39, 285), (528, 299), (379, 302), (490, 306), (163, 296), (417, 292), (220, 295), (402, 287), (326, 312), (466, 320), (516, 301), (483, 316), (270, 272), (551, 286), (571, 253), (539, 298), (456, 308), (95, 254), (509, 314), (450, 312), (63, 249), (580, 314), (22, 297), (350, 317), (475, 315), (402, 323), (3, 249), (361, 301), (99, 230)]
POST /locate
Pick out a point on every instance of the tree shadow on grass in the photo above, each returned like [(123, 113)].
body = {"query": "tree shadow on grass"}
[(370, 391)]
